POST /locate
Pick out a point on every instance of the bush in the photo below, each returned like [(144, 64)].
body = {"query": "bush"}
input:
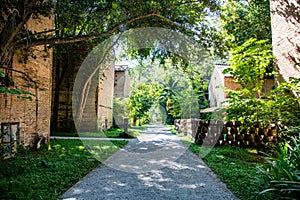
[(283, 175)]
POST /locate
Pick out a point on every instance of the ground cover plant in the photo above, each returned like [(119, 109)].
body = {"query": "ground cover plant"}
[(111, 133), (47, 173)]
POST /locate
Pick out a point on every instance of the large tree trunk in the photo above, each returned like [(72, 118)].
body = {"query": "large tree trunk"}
[(16, 18)]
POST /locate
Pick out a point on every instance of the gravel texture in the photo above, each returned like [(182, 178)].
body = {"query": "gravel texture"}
[(156, 165)]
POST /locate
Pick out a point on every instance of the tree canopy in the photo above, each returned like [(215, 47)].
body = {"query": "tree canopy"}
[(92, 19)]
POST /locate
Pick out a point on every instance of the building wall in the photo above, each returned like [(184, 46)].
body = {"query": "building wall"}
[(32, 117), (64, 72), (99, 98), (220, 81), (216, 93), (286, 37), (105, 99), (122, 83)]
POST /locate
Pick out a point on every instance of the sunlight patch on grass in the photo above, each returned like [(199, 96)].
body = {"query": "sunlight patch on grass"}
[(46, 174)]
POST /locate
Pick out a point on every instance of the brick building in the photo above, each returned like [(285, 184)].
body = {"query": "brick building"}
[(97, 113), (219, 81), (23, 120), (122, 81), (285, 19)]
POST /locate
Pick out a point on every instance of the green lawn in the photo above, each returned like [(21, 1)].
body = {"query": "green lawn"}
[(46, 174), (237, 167), (111, 133)]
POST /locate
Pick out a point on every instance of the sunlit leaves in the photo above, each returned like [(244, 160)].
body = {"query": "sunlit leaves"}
[(242, 20)]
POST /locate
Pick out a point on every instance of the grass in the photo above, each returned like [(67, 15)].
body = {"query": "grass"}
[(46, 174), (237, 167), (111, 133)]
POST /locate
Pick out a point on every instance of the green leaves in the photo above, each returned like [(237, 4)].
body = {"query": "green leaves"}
[(250, 63), (141, 100), (283, 175), (242, 20), (6, 86)]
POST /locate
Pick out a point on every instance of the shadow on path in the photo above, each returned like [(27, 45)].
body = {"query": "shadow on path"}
[(156, 165)]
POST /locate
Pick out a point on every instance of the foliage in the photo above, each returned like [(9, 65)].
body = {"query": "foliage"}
[(283, 175), (251, 105), (168, 99), (242, 20), (96, 20), (47, 174), (7, 87), (142, 98)]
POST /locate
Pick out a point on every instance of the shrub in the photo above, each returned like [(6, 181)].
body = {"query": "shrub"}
[(283, 175)]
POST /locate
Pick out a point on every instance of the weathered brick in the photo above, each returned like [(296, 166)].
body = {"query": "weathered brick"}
[(33, 116)]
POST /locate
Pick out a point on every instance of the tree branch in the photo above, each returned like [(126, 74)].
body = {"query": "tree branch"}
[(79, 38)]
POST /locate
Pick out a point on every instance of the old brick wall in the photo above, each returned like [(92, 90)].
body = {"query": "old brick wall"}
[(33, 116), (68, 59), (99, 99), (105, 99), (286, 37), (122, 83)]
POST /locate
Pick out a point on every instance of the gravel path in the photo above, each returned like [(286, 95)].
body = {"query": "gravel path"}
[(154, 166)]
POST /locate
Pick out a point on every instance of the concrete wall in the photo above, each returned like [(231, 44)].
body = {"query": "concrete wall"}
[(32, 117), (286, 37)]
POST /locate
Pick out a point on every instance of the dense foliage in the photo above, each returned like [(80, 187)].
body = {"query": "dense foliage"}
[(88, 20), (283, 174), (251, 66), (242, 20), (141, 99)]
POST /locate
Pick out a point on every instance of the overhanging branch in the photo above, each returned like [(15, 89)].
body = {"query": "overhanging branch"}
[(111, 31)]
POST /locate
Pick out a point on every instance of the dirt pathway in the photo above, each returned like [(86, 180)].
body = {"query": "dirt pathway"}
[(156, 165)]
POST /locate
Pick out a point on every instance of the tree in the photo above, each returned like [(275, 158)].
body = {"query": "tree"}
[(91, 19), (242, 20), (250, 105), (141, 99)]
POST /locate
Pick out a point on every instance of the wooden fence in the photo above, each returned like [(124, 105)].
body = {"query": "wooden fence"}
[(215, 132)]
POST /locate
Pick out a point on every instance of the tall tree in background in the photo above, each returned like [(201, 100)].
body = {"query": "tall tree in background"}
[(242, 20)]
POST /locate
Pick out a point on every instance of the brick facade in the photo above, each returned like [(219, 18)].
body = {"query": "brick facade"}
[(122, 81), (97, 114), (220, 81), (105, 99), (286, 37), (32, 118)]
